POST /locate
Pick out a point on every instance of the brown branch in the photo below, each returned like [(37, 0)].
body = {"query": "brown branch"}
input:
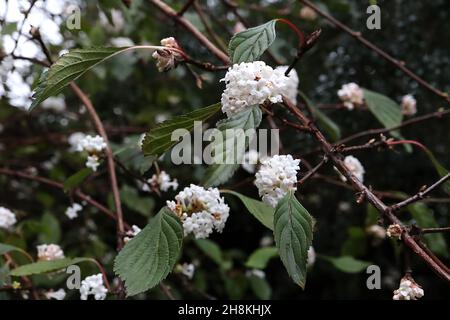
[(209, 29), (313, 171), (185, 7), (397, 63), (168, 11), (434, 230)]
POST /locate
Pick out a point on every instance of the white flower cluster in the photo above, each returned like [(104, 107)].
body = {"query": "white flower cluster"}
[(351, 95), (57, 104), (408, 290), (276, 176), (186, 269), (200, 210), (355, 167), (291, 88), (72, 211), (254, 83), (93, 285), (93, 146), (168, 59), (311, 257), (161, 181), (48, 252), (132, 233), (409, 105), (7, 218), (256, 272), (376, 231), (74, 140), (56, 295)]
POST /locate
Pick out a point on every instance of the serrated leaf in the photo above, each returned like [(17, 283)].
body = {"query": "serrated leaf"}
[(258, 209), (148, 258), (250, 44), (76, 179), (250, 118), (424, 217), (45, 266), (293, 232), (213, 251), (158, 139), (261, 257), (68, 68), (348, 264), (328, 125)]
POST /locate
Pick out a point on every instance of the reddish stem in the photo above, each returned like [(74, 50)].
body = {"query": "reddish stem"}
[(300, 34)]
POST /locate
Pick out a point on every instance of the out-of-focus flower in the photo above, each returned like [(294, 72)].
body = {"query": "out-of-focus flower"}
[(200, 210), (56, 295), (74, 140), (409, 105), (48, 252), (186, 269), (408, 290), (291, 88), (376, 231), (93, 285), (57, 104), (7, 218), (122, 42), (307, 13), (351, 95), (276, 176), (311, 257), (167, 59), (72, 211), (355, 167), (257, 273), (238, 27), (266, 241)]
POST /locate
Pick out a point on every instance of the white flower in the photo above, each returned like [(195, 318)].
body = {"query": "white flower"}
[(122, 42), (238, 27), (307, 13), (47, 252), (408, 290), (311, 257), (91, 144), (409, 105), (376, 231), (57, 295), (163, 182), (291, 88), (92, 162), (257, 273), (251, 83), (276, 176), (93, 285), (250, 161), (6, 65), (132, 233), (74, 140), (266, 241), (355, 167), (187, 269), (200, 210), (57, 104), (351, 95), (72, 212), (394, 231), (141, 140), (168, 59), (7, 218)]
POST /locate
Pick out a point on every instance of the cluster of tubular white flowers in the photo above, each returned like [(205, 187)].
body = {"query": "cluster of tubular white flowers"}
[(291, 88), (48, 252), (72, 211), (56, 295), (376, 231), (57, 104), (132, 233), (408, 290), (161, 181), (167, 59), (409, 105), (200, 210), (186, 269), (7, 218), (254, 83), (276, 176), (355, 167), (93, 146), (74, 140), (351, 95), (93, 285)]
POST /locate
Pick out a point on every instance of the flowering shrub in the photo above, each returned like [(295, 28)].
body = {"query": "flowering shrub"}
[(94, 122)]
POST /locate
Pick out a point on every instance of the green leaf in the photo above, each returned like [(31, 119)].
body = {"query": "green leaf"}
[(260, 287), (131, 198), (45, 266), (6, 248), (424, 217), (328, 125), (68, 68), (76, 179), (441, 170), (261, 257), (49, 229), (348, 264), (293, 231), (249, 45), (250, 118), (387, 111), (148, 258), (213, 251), (258, 209), (158, 139)]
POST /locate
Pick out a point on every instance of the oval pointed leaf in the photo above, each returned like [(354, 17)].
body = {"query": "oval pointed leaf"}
[(148, 258), (258, 209), (158, 139), (67, 68), (387, 111), (45, 266), (76, 179), (348, 264), (293, 231), (247, 119), (249, 45), (261, 257)]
